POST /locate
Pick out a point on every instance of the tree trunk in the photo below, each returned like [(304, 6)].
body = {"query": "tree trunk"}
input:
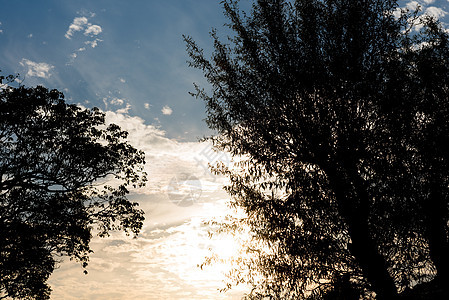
[(436, 211), (353, 202)]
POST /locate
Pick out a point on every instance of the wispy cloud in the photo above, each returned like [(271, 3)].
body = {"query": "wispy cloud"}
[(117, 101), (163, 261), (93, 43), (166, 110), (124, 110), (177, 169), (435, 12), (35, 69), (114, 99)]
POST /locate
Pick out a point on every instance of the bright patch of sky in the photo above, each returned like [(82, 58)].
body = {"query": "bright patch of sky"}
[(130, 60)]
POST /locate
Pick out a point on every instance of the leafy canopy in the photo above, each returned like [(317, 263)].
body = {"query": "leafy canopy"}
[(56, 160), (340, 110)]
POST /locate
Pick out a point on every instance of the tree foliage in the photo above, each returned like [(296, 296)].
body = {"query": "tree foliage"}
[(340, 111), (56, 160)]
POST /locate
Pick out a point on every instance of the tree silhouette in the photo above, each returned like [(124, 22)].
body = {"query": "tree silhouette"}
[(56, 161), (338, 109)]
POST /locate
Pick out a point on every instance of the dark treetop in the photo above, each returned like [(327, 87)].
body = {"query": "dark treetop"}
[(55, 162), (340, 109)]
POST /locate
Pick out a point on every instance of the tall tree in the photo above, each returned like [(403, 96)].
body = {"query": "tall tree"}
[(340, 109), (64, 173)]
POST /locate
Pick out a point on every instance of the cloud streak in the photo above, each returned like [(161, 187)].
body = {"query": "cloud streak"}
[(162, 263)]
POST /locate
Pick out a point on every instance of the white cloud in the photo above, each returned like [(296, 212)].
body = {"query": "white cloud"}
[(125, 109), (122, 80), (90, 30), (93, 43), (77, 25), (30, 35), (169, 161), (412, 5), (145, 137), (93, 30), (162, 261), (435, 12), (117, 101), (37, 69), (166, 110)]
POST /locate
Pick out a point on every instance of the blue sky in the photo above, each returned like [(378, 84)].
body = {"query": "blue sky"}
[(133, 54), (128, 58)]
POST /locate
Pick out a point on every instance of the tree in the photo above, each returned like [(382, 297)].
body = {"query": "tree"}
[(64, 174), (339, 109)]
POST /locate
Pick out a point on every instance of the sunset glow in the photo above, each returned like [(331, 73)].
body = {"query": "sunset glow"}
[(129, 60)]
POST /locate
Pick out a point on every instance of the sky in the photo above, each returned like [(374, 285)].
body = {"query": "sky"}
[(128, 58)]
